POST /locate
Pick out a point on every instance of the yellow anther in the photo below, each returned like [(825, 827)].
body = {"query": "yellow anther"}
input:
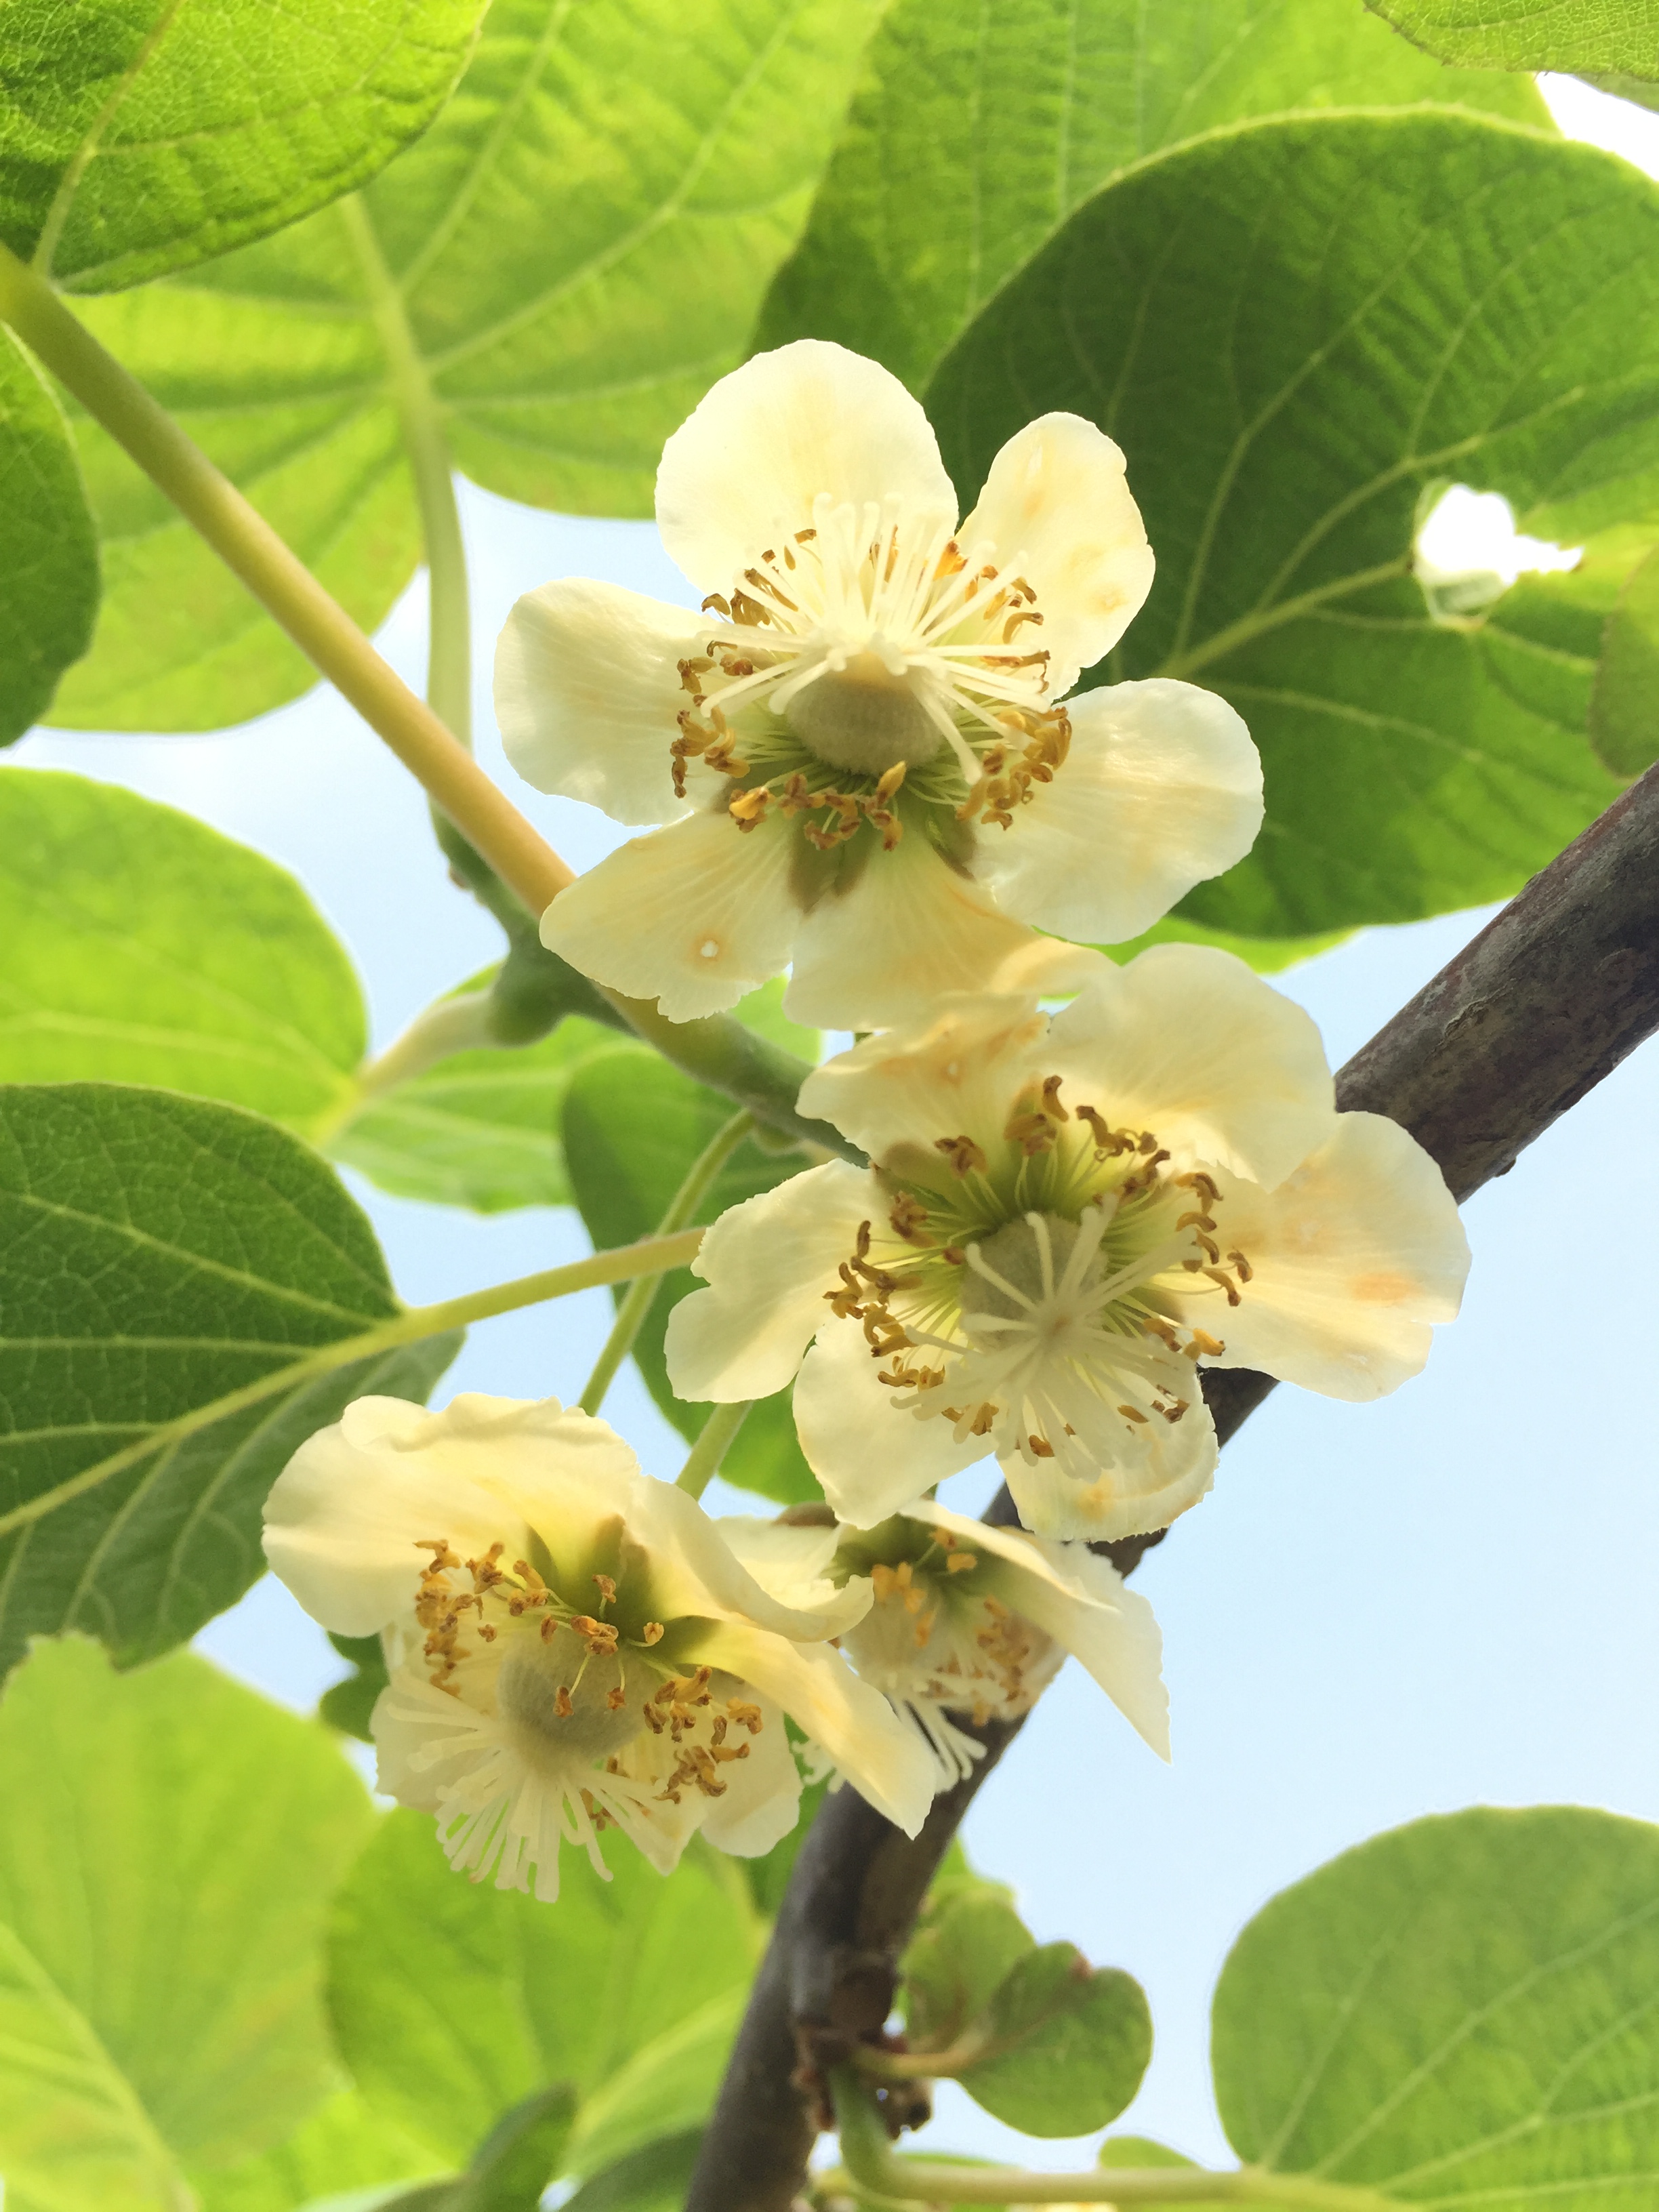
[(651, 1632), (1225, 1282), (1040, 1446), (561, 1705), (1134, 1413), (1204, 1347), (606, 1589), (1246, 1272), (962, 1563), (963, 1154)]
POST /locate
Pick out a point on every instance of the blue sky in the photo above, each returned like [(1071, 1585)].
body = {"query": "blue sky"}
[(1442, 1600)]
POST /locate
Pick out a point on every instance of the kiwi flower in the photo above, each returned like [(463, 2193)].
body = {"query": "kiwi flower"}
[(1062, 1222), (975, 1621), (863, 744), (572, 1646)]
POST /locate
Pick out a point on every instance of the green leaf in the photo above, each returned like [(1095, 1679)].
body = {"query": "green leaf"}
[(51, 551), (1461, 2012), (141, 136), (668, 2086), (1292, 329), (1065, 2043), (1020, 110), (144, 947), (968, 1942), (654, 2179), (482, 1127), (566, 261), (1624, 717), (163, 1882), (349, 1705), (633, 1126), (345, 2144), (525, 1993), (512, 2167), (1578, 36), (157, 1253)]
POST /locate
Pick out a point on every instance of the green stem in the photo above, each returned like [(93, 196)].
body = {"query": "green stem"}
[(718, 1051), (714, 1442), (652, 1255), (631, 1312), (449, 620), (282, 585), (463, 1024), (875, 2171)]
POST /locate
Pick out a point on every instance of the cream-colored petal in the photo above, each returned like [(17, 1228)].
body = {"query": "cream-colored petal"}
[(694, 916), (763, 1790), (587, 688), (742, 472), (957, 1075), (345, 1518), (769, 1263), (1352, 1258), (790, 1563), (910, 928), (1083, 1604), (1058, 507), (1161, 788), (696, 1573), (1130, 1500), (872, 1458), (885, 1760), (1186, 1042)]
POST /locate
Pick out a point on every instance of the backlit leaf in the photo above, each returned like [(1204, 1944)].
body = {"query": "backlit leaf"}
[(157, 1254), (1293, 329), (141, 136)]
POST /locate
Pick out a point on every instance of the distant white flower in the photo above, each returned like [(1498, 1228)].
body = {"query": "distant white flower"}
[(976, 1621), (572, 1646), (1063, 1220), (864, 731)]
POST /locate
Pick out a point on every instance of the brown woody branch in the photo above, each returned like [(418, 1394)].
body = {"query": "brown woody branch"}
[(1531, 1015)]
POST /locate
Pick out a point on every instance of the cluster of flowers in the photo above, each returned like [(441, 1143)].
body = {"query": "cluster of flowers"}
[(870, 772)]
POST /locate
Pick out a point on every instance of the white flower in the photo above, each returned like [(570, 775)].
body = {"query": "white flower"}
[(1061, 1220), (572, 1645), (976, 1621), (861, 742)]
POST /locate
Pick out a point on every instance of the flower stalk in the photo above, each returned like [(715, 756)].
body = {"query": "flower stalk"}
[(718, 1434), (631, 1312)]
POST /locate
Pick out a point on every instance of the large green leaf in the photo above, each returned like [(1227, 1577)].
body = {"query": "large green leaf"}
[(481, 1128), (170, 1846), (1624, 720), (633, 1126), (975, 132), (344, 2145), (50, 550), (144, 947), (1586, 38), (1465, 2011), (156, 1255), (1294, 328), (566, 261), (141, 136), (528, 1994)]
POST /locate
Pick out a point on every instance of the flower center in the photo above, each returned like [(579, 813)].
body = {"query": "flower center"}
[(864, 719), (1030, 1287), (864, 649), (559, 1696)]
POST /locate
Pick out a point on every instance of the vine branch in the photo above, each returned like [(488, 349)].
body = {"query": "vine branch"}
[(1556, 989)]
